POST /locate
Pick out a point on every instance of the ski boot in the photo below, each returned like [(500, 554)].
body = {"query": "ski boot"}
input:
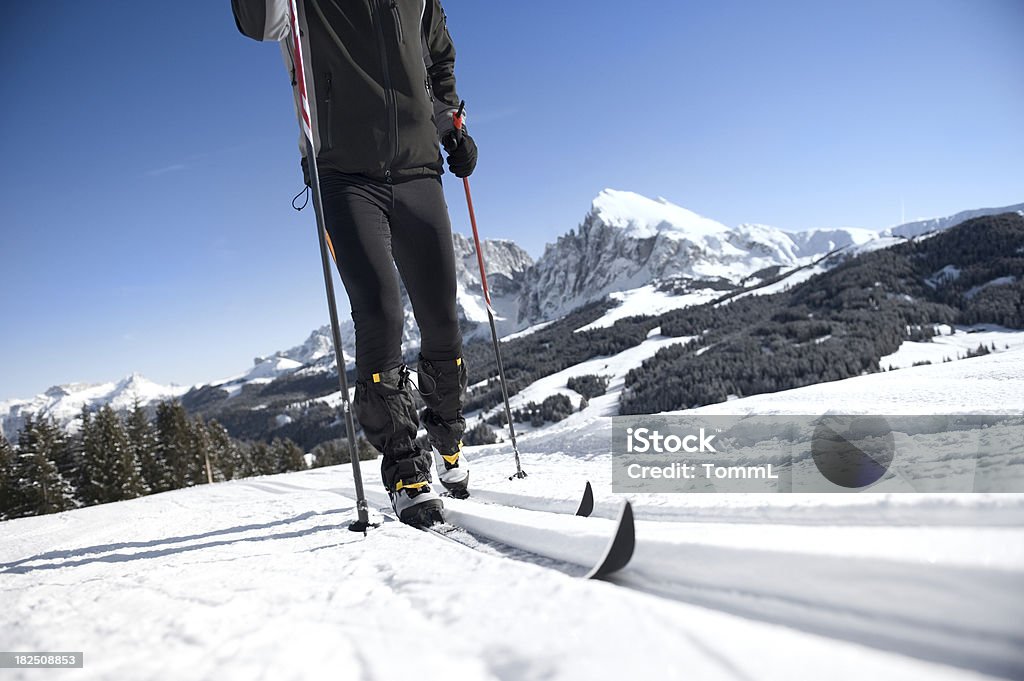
[(452, 471), (416, 504), (442, 384), (383, 404)]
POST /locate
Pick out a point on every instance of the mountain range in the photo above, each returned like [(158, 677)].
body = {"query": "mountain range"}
[(626, 246)]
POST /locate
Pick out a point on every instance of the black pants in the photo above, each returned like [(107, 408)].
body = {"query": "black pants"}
[(375, 226)]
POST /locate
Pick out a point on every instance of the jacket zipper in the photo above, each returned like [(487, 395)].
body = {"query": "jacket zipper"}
[(389, 93), (330, 128), (398, 21)]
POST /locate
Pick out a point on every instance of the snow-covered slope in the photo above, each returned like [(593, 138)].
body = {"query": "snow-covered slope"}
[(918, 227), (260, 578), (817, 242)]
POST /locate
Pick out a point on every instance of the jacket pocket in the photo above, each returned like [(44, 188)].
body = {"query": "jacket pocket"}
[(398, 21)]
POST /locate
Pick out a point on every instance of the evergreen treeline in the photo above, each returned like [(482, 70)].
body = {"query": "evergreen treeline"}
[(838, 324), (589, 385), (480, 434), (552, 349), (113, 457), (554, 408)]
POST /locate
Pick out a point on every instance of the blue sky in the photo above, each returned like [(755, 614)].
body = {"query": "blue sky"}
[(149, 151)]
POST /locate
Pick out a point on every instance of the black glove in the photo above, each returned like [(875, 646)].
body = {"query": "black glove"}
[(305, 172), (461, 152)]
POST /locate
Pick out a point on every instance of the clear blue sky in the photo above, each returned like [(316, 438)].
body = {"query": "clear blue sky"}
[(149, 151)]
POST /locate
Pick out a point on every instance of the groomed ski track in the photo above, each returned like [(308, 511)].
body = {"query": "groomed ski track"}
[(261, 578), (891, 587)]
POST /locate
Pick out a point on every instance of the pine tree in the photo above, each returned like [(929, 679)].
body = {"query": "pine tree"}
[(174, 447), (225, 453), (288, 456), (261, 458), (112, 470), (40, 487), (142, 442), (69, 459), (129, 483), (95, 468), (328, 453)]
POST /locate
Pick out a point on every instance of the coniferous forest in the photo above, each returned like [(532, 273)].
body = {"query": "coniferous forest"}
[(114, 457)]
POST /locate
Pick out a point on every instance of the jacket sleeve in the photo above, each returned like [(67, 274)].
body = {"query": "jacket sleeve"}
[(261, 19), (439, 57)]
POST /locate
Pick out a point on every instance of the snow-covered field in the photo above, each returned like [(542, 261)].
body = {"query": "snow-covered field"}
[(260, 579), (648, 300), (953, 343)]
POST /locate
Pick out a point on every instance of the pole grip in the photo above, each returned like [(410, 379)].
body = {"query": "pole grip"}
[(457, 116)]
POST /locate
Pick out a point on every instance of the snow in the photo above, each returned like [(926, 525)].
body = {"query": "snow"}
[(648, 300), (998, 281), (528, 330), (992, 384), (260, 578), (615, 368), (264, 371), (643, 218), (925, 226), (793, 278), (946, 274), (473, 306), (64, 403), (953, 344), (821, 241)]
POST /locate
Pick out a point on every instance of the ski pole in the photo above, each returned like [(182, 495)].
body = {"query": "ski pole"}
[(362, 522), (457, 119)]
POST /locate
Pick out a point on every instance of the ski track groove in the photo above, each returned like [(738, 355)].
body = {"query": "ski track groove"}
[(372, 581), (807, 614)]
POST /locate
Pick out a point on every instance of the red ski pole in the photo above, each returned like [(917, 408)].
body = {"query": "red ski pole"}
[(457, 119)]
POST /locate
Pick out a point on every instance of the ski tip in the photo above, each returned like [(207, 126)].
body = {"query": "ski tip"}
[(587, 503), (620, 549)]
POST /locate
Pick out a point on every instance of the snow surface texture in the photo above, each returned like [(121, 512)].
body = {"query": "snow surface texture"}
[(952, 344), (260, 579)]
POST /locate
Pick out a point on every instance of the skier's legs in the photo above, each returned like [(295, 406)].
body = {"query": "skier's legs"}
[(426, 259), (357, 214), (422, 242)]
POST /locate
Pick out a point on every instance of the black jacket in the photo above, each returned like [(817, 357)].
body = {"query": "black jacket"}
[(379, 77)]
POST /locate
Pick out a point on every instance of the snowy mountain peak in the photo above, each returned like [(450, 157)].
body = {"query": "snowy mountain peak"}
[(642, 218), (318, 345), (133, 381)]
